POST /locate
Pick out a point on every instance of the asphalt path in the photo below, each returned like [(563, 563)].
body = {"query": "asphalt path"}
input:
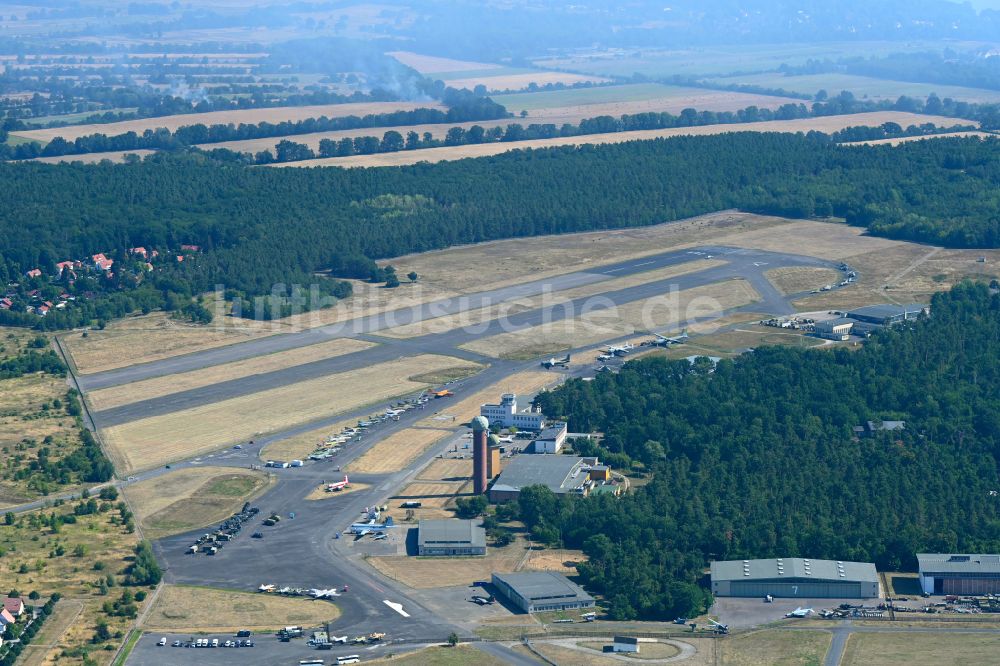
[(739, 264), (380, 321)]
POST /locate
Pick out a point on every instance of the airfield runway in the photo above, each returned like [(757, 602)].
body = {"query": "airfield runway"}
[(747, 264)]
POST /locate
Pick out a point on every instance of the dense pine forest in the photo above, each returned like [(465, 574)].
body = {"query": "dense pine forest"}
[(259, 227), (757, 458)]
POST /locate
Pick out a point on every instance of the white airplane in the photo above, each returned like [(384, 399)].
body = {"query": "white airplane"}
[(338, 639), (605, 357), (664, 341), (361, 529), (266, 588), (556, 362), (799, 612), (284, 590), (338, 486), (620, 350), (323, 594)]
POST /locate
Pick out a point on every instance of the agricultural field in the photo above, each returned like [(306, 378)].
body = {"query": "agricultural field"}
[(821, 124), (77, 560), (776, 647), (426, 64), (195, 497), (906, 139), (125, 394), (920, 649), (397, 451), (863, 87), (251, 116), (627, 319), (520, 80), (189, 609), (118, 157), (719, 60), (160, 439)]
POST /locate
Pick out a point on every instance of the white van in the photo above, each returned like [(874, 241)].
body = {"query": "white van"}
[(215, 642), (349, 659)]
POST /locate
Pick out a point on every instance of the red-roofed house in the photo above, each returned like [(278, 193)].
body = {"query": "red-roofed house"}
[(102, 263), (43, 309), (191, 248), (14, 606), (5, 618), (64, 265), (180, 257), (155, 254), (34, 272), (5, 303), (149, 266), (141, 251)]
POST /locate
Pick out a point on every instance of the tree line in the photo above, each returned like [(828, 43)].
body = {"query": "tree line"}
[(756, 457)]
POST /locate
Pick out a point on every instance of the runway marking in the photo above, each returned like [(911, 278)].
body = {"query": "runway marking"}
[(615, 270), (396, 607), (646, 263)]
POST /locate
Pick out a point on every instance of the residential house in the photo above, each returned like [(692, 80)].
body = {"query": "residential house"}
[(190, 248), (140, 251), (63, 266), (102, 263), (5, 303), (14, 606), (5, 619), (34, 272)]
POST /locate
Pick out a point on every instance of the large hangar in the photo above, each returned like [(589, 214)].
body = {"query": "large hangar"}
[(795, 577), (949, 573)]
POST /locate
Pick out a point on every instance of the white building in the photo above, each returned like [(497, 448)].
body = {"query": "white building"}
[(551, 439), (506, 415)]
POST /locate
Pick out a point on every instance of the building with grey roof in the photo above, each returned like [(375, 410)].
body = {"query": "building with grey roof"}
[(949, 573), (451, 537), (834, 329), (562, 474), (792, 577), (538, 591), (888, 314), (551, 439)]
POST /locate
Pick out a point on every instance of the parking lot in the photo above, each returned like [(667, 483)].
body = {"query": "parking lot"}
[(742, 613)]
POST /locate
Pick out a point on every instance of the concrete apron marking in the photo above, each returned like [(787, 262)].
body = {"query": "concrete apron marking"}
[(396, 607)]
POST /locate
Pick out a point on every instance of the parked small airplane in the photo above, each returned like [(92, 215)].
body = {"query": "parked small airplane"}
[(442, 394), (361, 529), (316, 593), (338, 639), (605, 357), (664, 341), (266, 588), (338, 486), (483, 601), (556, 362), (799, 612), (620, 350)]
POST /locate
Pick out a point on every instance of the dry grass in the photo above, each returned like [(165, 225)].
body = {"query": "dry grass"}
[(185, 609), (92, 158), (272, 115), (655, 650), (432, 495), (521, 81), (43, 647), (907, 139), (320, 492), (776, 647), (194, 497), (528, 381), (426, 64), (733, 342), (795, 279), (560, 560), (397, 451), (826, 240), (447, 469), (153, 441), (149, 338), (300, 446), (913, 649), (432, 572), (822, 124), (544, 300), (627, 319), (460, 655), (125, 394)]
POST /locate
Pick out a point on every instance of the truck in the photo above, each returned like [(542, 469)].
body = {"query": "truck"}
[(272, 520)]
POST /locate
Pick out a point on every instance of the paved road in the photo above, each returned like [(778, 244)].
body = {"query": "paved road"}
[(739, 263)]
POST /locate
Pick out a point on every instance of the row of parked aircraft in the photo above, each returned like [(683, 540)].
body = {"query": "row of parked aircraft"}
[(315, 593)]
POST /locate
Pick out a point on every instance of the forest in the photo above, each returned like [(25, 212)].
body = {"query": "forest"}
[(756, 457), (264, 227)]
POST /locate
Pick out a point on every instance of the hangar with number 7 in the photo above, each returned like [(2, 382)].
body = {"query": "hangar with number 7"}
[(795, 577)]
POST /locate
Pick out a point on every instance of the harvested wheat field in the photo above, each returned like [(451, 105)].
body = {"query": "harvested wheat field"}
[(521, 81), (194, 497), (907, 139), (544, 300), (643, 315), (397, 451), (526, 382), (149, 338), (159, 439), (822, 124), (250, 116), (320, 492), (146, 389), (426, 64), (189, 609), (92, 158), (796, 279)]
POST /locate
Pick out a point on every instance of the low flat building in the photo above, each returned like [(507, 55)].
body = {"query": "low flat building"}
[(562, 474), (792, 577), (506, 414), (552, 438), (625, 644), (834, 329), (538, 591), (888, 314), (451, 537), (959, 574)]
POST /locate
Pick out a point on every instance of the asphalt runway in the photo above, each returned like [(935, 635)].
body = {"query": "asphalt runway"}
[(739, 264), (376, 322)]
